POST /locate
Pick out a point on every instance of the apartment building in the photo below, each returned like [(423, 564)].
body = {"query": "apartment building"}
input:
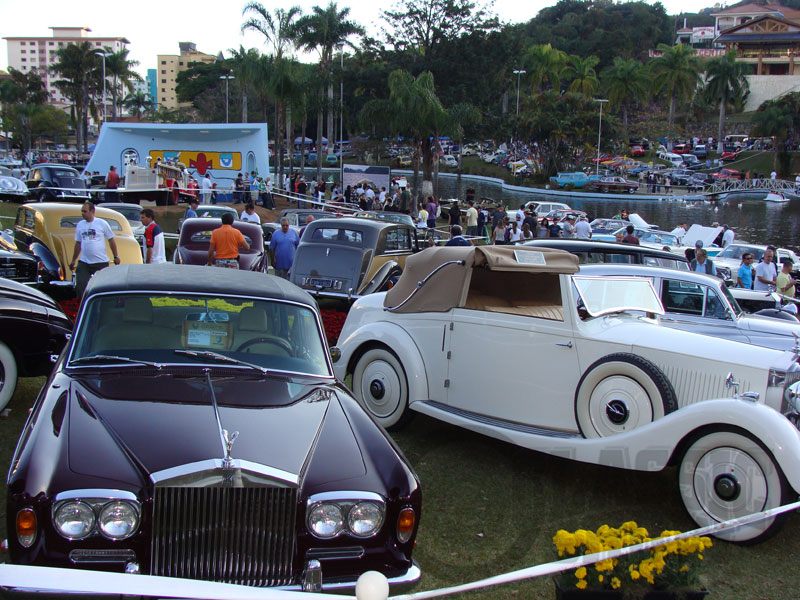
[(169, 65), (39, 53)]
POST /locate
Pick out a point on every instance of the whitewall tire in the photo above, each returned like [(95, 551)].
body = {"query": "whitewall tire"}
[(8, 375), (725, 475), (620, 392), (381, 387)]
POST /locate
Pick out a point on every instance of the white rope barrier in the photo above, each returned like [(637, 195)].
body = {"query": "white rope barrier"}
[(82, 581)]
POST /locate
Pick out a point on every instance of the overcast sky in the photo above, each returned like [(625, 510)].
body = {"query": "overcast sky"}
[(156, 27)]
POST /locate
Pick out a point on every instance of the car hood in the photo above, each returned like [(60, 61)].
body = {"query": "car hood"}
[(128, 428), (17, 291), (768, 325)]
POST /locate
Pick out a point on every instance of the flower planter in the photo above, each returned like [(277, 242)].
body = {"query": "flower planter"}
[(621, 594)]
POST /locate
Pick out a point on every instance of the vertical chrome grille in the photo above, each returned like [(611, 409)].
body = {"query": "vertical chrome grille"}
[(232, 535)]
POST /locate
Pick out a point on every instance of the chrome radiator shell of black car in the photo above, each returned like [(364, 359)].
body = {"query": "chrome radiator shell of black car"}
[(241, 535)]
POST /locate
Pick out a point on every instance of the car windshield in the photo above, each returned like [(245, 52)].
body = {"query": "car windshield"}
[(215, 213), (204, 237), (606, 295), (72, 223), (134, 213), (657, 237), (737, 251), (64, 173), (168, 328)]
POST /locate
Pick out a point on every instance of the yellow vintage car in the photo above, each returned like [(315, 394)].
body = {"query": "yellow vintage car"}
[(47, 230)]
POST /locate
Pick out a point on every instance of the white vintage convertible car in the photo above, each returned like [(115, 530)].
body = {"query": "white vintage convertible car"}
[(514, 342)]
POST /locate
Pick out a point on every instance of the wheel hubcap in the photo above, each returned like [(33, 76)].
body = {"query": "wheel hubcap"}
[(617, 411), (727, 487), (377, 389)]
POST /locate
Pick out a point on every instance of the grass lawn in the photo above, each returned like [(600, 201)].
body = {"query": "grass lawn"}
[(490, 507)]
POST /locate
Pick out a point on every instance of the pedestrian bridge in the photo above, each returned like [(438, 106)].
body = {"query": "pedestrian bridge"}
[(725, 186)]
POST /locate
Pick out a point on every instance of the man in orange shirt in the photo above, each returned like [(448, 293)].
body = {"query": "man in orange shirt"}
[(225, 244)]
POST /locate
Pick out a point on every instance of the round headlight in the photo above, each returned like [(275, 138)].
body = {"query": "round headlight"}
[(118, 520), (74, 520), (325, 520), (365, 518)]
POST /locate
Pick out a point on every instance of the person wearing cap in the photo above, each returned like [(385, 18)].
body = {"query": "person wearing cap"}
[(691, 252), (569, 227), (727, 236), (582, 229), (701, 263)]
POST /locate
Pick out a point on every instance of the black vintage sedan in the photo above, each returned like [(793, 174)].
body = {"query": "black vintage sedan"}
[(32, 328), (193, 428), (56, 183)]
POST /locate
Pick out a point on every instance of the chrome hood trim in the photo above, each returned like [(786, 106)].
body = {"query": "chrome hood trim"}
[(215, 472)]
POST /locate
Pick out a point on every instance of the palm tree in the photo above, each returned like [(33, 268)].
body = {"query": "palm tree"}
[(79, 68), (323, 30), (278, 31), (22, 93), (625, 83), (545, 65), (582, 76), (774, 119), (675, 73), (137, 104), (121, 70), (246, 67), (725, 81)]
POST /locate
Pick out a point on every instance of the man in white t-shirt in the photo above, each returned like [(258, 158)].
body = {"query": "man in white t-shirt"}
[(91, 235), (583, 230), (249, 214), (206, 186), (727, 236), (773, 175), (766, 272)]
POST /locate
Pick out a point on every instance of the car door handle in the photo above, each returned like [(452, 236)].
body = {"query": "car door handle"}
[(565, 344)]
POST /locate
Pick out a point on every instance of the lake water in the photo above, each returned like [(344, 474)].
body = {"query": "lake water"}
[(753, 221)]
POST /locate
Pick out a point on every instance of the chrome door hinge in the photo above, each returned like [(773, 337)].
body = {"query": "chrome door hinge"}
[(451, 326), (447, 383), (449, 354)]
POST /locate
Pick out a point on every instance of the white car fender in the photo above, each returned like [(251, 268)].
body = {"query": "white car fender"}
[(650, 447), (398, 341)]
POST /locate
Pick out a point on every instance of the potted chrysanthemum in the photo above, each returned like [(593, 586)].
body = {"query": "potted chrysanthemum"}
[(668, 571)]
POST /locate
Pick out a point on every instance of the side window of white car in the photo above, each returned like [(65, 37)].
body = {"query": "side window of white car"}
[(682, 297), (715, 307)]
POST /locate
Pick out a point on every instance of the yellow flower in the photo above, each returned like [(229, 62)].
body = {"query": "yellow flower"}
[(629, 526), (615, 583), (580, 573), (581, 585), (684, 568), (635, 575), (600, 578)]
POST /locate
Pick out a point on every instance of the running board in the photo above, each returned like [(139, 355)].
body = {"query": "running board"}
[(435, 410)]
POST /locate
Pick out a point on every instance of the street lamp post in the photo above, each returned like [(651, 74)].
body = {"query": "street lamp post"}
[(227, 78), (519, 73), (104, 54), (599, 132)]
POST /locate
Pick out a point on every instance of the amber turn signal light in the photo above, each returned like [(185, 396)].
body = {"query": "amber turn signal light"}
[(26, 527), (405, 524)]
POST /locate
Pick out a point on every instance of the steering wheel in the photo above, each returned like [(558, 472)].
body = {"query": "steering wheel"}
[(276, 341)]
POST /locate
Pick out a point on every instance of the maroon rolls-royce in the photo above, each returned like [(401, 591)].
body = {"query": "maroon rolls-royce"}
[(193, 428), (195, 238)]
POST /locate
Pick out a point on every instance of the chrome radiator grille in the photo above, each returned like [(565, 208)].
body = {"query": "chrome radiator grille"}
[(232, 535)]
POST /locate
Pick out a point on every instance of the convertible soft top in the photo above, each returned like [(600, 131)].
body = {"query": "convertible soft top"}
[(169, 277), (448, 288)]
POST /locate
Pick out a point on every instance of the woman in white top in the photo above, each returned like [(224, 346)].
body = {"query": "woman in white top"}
[(514, 233)]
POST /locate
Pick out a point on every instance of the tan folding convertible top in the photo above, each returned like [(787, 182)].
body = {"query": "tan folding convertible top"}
[(449, 286)]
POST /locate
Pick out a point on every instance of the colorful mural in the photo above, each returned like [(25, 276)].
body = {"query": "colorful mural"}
[(202, 161)]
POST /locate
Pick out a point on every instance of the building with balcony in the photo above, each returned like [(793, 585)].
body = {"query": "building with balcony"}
[(39, 53), (169, 66)]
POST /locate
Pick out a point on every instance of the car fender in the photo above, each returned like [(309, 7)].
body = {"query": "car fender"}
[(387, 270), (398, 341), (47, 258), (654, 446)]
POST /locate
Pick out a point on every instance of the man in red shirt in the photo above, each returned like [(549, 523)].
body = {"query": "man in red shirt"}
[(225, 244), (112, 183)]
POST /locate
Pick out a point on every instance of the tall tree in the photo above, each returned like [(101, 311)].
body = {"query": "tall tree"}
[(581, 75), (279, 31), (774, 118), (725, 81), (676, 74), (137, 104), (545, 66), (246, 66), (120, 69), (625, 83), (80, 70), (20, 95), (323, 30)]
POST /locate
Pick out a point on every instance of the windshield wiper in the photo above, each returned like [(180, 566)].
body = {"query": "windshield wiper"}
[(217, 357), (110, 357)]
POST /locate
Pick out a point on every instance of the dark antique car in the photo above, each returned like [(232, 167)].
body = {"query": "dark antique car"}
[(192, 248), (14, 264), (32, 328), (56, 183), (351, 257), (193, 428)]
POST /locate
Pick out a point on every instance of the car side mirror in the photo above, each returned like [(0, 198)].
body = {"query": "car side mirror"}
[(336, 353)]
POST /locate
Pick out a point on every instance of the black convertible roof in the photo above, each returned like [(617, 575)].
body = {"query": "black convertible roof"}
[(168, 277)]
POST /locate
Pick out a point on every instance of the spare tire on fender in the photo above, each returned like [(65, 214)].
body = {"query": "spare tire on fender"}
[(620, 392)]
